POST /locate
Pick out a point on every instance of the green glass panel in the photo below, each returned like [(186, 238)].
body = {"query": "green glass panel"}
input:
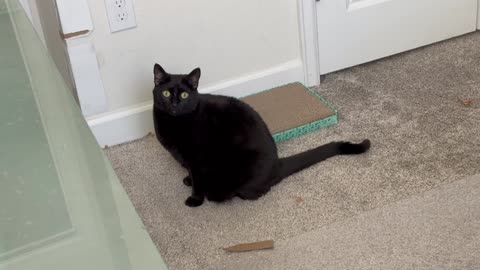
[(61, 204)]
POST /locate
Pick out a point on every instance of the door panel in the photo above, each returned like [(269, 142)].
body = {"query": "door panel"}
[(352, 32)]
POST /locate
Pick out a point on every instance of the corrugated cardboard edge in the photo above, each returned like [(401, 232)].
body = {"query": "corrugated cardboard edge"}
[(74, 34), (74, 17)]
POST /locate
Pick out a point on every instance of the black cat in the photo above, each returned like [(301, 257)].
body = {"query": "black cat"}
[(223, 143)]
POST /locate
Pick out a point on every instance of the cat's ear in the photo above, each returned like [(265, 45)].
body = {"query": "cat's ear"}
[(193, 78), (160, 75)]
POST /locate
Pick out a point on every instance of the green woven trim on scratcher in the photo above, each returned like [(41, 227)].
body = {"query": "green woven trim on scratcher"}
[(292, 110)]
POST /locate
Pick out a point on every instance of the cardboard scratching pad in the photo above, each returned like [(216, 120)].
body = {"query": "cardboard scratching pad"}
[(292, 110)]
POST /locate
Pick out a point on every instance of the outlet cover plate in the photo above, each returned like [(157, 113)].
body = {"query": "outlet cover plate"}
[(121, 14)]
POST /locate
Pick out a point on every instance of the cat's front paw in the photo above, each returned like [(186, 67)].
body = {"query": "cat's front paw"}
[(187, 181), (193, 201)]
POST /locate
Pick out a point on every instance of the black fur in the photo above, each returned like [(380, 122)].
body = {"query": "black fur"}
[(223, 143)]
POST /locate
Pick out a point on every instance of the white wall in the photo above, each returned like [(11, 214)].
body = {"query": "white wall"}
[(226, 38), (242, 47)]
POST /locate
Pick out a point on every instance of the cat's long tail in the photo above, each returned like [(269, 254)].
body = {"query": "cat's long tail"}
[(298, 162)]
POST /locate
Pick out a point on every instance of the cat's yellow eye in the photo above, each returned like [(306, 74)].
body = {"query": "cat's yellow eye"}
[(184, 95), (166, 93)]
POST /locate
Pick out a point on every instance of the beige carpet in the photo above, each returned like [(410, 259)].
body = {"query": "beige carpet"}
[(439, 229), (423, 138)]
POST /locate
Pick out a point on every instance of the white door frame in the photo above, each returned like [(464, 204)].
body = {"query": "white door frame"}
[(307, 15), (307, 21), (478, 15)]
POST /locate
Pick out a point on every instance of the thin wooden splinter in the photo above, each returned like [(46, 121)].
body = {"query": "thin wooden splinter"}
[(251, 246)]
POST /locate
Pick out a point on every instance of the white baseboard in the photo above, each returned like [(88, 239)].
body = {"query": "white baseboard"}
[(121, 126), (131, 123)]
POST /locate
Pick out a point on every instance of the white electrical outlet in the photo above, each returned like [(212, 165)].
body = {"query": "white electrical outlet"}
[(120, 3), (121, 14)]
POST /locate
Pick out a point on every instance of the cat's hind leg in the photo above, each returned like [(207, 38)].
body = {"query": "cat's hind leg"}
[(195, 200), (251, 194), (219, 197), (258, 186)]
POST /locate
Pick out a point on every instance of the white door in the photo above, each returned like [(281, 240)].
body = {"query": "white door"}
[(352, 32)]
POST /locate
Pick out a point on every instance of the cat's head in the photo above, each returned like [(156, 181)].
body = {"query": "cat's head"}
[(175, 94)]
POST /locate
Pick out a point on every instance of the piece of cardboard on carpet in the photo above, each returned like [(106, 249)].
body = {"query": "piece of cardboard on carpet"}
[(268, 244), (292, 110)]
